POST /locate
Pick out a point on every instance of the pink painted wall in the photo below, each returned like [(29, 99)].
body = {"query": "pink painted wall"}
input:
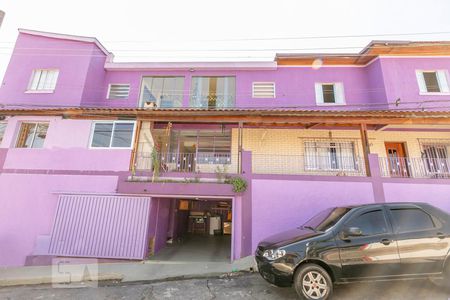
[(400, 80), (279, 205), (28, 205), (66, 147)]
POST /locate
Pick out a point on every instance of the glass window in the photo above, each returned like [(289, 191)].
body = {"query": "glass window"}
[(370, 223), (2, 131), (328, 93), (112, 135), (213, 92), (209, 146), (431, 82), (43, 80), (32, 135), (162, 91), (411, 219), (323, 155)]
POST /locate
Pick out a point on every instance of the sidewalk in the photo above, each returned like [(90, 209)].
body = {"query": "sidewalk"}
[(146, 271)]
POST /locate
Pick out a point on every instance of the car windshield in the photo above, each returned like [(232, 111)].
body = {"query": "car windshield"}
[(326, 218)]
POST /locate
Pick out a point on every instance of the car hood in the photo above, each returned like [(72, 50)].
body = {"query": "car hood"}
[(287, 237)]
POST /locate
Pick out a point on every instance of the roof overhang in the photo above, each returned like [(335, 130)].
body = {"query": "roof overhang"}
[(189, 66), (248, 116), (69, 37)]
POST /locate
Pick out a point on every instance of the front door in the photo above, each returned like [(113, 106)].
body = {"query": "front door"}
[(397, 161), (372, 254)]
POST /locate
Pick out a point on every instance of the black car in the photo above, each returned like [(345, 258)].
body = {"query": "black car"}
[(359, 243)]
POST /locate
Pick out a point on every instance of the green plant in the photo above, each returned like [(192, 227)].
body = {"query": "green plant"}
[(155, 163), (221, 173), (239, 184)]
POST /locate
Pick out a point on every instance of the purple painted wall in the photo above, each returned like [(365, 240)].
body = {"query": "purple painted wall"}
[(72, 58), (84, 80), (279, 205), (28, 207)]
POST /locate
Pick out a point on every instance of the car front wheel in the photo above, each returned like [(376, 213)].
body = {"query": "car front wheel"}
[(312, 282)]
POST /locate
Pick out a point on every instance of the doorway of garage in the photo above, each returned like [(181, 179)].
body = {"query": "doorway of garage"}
[(191, 230)]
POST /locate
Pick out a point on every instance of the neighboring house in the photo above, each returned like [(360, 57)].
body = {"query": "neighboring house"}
[(104, 159)]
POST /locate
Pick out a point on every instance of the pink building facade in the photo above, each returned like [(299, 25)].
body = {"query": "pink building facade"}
[(97, 156)]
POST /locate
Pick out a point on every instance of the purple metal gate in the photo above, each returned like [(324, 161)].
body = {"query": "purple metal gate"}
[(100, 226)]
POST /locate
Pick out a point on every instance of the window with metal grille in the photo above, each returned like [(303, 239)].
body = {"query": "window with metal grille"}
[(435, 156), (118, 91), (43, 80), (330, 155), (32, 135), (263, 90)]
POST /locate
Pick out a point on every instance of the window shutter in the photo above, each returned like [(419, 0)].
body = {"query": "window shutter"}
[(421, 82), (263, 90), (118, 91), (443, 81), (339, 93), (319, 93)]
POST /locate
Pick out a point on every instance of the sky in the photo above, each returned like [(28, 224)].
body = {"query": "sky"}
[(238, 30)]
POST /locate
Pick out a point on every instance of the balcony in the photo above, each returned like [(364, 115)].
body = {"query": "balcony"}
[(415, 167), (186, 163), (209, 101), (328, 165)]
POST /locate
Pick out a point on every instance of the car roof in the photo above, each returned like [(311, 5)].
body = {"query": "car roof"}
[(389, 204)]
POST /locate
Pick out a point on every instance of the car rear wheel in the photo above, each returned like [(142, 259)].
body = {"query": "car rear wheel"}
[(312, 282)]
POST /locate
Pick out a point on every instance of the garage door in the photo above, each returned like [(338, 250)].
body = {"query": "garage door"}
[(100, 226)]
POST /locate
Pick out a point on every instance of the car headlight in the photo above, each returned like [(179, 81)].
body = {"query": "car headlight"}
[(274, 254)]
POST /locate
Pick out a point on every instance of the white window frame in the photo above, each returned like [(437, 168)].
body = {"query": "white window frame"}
[(34, 134), (339, 93), (109, 91), (443, 82), (91, 137), (264, 82), (41, 91)]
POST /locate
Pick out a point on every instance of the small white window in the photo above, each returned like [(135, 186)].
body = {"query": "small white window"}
[(113, 134), (433, 81), (43, 80), (330, 93), (118, 91), (263, 90)]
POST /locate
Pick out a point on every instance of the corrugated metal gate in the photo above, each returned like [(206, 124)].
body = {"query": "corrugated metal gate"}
[(100, 226)]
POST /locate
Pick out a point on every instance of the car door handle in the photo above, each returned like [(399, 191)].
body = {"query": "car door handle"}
[(440, 235), (386, 242)]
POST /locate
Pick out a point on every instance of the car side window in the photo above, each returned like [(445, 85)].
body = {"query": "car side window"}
[(370, 223), (411, 219)]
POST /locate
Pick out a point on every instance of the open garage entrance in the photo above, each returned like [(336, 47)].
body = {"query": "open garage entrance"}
[(191, 230)]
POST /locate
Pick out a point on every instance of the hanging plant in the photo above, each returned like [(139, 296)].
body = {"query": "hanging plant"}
[(239, 184)]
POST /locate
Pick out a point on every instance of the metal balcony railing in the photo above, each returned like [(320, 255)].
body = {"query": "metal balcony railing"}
[(201, 162), (414, 167), (332, 165)]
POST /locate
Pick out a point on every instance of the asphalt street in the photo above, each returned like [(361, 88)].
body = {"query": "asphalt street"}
[(247, 286)]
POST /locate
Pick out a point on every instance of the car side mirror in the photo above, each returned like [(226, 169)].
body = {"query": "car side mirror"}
[(351, 231)]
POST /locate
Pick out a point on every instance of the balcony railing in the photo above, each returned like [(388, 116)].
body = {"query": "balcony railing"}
[(201, 162), (213, 101), (308, 165), (419, 167)]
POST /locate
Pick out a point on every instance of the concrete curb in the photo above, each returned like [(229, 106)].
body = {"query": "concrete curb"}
[(59, 279)]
